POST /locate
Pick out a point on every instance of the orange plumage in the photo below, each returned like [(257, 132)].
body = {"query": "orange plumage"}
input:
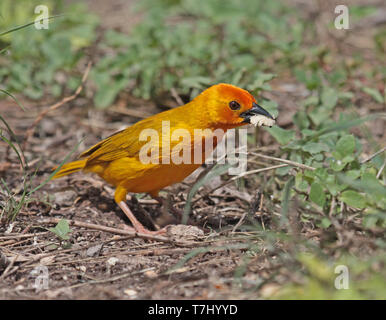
[(117, 158)]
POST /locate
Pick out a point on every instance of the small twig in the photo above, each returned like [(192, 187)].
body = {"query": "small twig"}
[(145, 215), (332, 207), (240, 176), (19, 236), (238, 224), (176, 96), (6, 271), (147, 252), (36, 257), (119, 277), (55, 106), (381, 169), (292, 163), (256, 205), (131, 112), (107, 229), (247, 173), (373, 155), (115, 230), (334, 221), (3, 261), (13, 242)]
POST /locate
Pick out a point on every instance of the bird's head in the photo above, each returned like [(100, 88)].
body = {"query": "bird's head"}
[(228, 106)]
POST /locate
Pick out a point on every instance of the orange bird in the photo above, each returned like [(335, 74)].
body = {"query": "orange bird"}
[(123, 158)]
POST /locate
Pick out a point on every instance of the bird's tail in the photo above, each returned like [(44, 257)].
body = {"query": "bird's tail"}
[(70, 168)]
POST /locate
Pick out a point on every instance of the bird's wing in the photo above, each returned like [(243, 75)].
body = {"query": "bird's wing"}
[(127, 143), (124, 143)]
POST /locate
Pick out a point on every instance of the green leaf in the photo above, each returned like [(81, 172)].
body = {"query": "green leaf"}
[(325, 223), (332, 186), (374, 93), (281, 135), (283, 171), (344, 125), (286, 197), (370, 221), (61, 229), (369, 185), (315, 147), (294, 145), (337, 164), (300, 183), (319, 115), (329, 98), (310, 101), (317, 194), (260, 80), (270, 106), (346, 145), (373, 187), (318, 158), (301, 120), (353, 199), (353, 174), (321, 173), (107, 93)]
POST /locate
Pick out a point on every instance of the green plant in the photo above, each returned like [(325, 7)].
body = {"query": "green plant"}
[(11, 203), (364, 279), (342, 194), (61, 230), (43, 61), (339, 175), (187, 47)]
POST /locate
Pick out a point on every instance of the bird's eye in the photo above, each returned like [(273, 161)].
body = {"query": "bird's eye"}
[(234, 105)]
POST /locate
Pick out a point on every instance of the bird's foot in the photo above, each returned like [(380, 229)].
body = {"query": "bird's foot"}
[(150, 232), (143, 230), (166, 204), (138, 227)]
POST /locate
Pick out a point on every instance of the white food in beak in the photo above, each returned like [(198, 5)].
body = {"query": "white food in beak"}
[(260, 120)]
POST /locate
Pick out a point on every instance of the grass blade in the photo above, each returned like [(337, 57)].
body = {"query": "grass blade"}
[(13, 29), (217, 170), (286, 198), (12, 96), (343, 125), (56, 170), (14, 148), (21, 155)]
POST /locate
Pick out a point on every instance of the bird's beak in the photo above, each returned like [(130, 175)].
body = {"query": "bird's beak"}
[(255, 110)]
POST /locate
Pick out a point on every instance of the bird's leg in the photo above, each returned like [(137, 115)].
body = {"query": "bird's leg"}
[(136, 224), (142, 215), (166, 204), (177, 213)]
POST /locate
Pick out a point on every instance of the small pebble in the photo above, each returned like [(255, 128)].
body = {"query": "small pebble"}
[(131, 293), (65, 198), (94, 250), (112, 261), (151, 274)]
